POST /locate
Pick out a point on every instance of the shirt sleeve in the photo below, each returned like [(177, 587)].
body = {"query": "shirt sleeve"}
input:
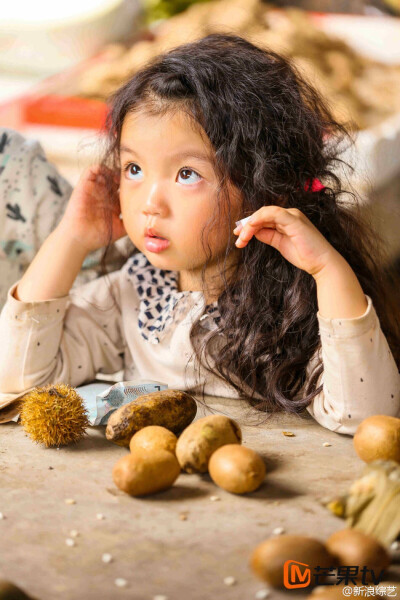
[(68, 339), (360, 376)]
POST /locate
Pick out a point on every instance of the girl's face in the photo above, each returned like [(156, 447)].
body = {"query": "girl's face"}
[(168, 183)]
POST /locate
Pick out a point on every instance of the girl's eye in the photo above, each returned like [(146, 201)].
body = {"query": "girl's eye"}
[(190, 176), (187, 176), (132, 170)]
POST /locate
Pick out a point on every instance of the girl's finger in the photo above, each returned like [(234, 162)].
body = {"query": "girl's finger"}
[(273, 217), (267, 216), (118, 228), (272, 213), (240, 225), (242, 222), (101, 178), (113, 173), (102, 173), (268, 228), (107, 179), (92, 172), (250, 229)]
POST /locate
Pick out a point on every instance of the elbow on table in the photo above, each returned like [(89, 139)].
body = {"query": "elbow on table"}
[(11, 380), (347, 417), (17, 381)]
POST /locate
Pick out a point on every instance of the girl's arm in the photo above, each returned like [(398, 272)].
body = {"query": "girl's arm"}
[(339, 292), (67, 339), (360, 376), (48, 332), (54, 269), (82, 229)]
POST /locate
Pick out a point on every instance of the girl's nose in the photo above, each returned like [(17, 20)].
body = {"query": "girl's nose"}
[(156, 200)]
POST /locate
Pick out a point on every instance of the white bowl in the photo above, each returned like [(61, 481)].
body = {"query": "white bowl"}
[(63, 34)]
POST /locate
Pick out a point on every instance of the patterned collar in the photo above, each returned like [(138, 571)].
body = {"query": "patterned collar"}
[(159, 297)]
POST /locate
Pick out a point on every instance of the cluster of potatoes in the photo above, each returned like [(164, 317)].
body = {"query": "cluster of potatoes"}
[(347, 547), (213, 444), (210, 444), (148, 426), (376, 438)]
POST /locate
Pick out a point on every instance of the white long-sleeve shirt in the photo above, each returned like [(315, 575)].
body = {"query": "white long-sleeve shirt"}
[(73, 338)]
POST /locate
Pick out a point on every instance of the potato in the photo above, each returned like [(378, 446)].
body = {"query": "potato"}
[(9, 591), (378, 437), (143, 472), (198, 441), (236, 468), (172, 409), (154, 437), (268, 558), (353, 547)]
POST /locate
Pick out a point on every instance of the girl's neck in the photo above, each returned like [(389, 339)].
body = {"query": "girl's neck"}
[(191, 281)]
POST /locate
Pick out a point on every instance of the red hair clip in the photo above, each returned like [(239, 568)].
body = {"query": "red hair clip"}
[(316, 185)]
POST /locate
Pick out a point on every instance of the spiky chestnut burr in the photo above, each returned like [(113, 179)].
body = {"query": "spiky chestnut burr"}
[(54, 415)]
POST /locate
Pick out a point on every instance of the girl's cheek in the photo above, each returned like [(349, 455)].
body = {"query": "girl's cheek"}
[(127, 213), (125, 201)]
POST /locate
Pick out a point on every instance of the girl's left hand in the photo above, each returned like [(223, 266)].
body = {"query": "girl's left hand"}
[(292, 234)]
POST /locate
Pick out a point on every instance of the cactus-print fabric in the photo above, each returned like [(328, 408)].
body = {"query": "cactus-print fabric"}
[(33, 198)]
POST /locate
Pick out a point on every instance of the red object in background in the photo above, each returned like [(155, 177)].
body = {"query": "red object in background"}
[(316, 185), (64, 111)]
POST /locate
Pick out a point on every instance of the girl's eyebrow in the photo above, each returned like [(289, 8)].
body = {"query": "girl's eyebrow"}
[(177, 156)]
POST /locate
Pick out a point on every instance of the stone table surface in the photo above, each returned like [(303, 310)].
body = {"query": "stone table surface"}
[(153, 549)]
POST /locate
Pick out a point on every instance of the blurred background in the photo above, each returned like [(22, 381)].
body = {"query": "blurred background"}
[(59, 62)]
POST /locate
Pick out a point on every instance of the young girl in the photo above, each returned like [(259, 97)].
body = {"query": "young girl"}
[(282, 311)]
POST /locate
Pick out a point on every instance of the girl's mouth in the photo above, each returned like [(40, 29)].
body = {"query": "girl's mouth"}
[(155, 244)]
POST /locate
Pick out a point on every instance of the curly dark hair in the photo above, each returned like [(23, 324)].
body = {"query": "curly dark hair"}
[(271, 132)]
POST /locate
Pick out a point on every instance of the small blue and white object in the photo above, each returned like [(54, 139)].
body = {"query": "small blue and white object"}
[(242, 222), (101, 400)]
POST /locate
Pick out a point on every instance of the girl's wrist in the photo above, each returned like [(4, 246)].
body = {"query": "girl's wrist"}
[(339, 292), (67, 238), (334, 265), (53, 270)]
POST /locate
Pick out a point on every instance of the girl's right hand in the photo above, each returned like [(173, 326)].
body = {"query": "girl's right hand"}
[(93, 204)]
